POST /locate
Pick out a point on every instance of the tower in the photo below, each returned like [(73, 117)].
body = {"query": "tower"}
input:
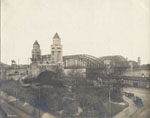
[(36, 52), (139, 61), (56, 50)]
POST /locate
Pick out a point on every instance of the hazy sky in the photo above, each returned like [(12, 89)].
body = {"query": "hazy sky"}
[(95, 27)]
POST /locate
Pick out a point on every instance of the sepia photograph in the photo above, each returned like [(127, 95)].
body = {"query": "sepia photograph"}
[(75, 59)]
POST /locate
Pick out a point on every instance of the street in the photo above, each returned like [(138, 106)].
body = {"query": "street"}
[(133, 111)]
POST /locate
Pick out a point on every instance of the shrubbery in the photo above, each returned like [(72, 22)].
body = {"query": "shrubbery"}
[(63, 98)]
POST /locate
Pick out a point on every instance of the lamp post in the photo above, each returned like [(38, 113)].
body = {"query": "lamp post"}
[(18, 78), (36, 110), (143, 76), (17, 74), (108, 71), (122, 84), (109, 94), (39, 98)]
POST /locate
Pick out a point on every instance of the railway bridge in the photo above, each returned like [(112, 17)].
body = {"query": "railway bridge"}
[(92, 64)]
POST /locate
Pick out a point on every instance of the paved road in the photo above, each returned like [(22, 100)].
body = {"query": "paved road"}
[(134, 111)]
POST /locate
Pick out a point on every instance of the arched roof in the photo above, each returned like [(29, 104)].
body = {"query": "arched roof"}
[(91, 61), (116, 60)]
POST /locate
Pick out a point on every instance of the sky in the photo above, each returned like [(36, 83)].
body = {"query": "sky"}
[(94, 27)]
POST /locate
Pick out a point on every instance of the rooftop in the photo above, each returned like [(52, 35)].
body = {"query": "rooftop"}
[(36, 43), (56, 36)]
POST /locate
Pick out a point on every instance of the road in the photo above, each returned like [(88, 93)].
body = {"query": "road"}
[(133, 111)]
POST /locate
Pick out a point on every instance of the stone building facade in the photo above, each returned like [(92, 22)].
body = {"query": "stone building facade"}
[(50, 62), (55, 57), (15, 72), (139, 76)]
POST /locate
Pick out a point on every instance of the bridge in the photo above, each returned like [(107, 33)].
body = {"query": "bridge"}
[(82, 61), (94, 67)]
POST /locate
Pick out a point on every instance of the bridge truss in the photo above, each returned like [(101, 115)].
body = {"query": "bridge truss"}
[(81, 61)]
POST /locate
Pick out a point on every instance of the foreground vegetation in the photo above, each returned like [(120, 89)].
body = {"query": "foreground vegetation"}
[(66, 97)]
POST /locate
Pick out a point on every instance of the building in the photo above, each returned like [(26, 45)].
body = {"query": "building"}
[(139, 76), (108, 65), (39, 63), (133, 73), (15, 72), (51, 62), (55, 57)]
